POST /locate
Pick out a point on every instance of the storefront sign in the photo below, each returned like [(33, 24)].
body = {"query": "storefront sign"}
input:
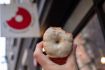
[(19, 20)]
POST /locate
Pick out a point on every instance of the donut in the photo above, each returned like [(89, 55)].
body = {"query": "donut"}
[(57, 43)]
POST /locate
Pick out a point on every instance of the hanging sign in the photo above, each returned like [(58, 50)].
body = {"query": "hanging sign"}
[(19, 20)]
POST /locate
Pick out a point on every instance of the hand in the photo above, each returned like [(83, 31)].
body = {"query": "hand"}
[(47, 64)]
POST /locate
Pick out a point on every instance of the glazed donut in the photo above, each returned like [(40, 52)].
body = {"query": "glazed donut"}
[(57, 43)]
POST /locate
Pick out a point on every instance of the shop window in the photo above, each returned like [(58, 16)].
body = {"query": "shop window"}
[(93, 43)]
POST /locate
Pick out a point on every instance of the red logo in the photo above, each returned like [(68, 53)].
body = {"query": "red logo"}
[(21, 20)]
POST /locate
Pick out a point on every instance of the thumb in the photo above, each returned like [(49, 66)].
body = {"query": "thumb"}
[(40, 57)]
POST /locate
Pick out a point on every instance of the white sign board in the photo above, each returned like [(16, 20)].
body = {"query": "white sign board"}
[(19, 20)]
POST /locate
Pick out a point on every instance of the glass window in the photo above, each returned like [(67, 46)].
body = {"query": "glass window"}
[(93, 42)]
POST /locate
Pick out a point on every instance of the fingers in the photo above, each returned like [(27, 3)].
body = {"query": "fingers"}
[(40, 57), (72, 57), (44, 61)]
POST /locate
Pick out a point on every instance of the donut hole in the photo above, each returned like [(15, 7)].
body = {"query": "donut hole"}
[(57, 41)]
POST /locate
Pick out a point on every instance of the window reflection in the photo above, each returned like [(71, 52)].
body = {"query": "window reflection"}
[(91, 46)]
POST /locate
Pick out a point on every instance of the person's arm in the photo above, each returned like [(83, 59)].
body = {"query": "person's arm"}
[(47, 64)]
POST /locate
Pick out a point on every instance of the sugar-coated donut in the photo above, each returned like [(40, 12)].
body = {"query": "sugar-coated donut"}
[(57, 43)]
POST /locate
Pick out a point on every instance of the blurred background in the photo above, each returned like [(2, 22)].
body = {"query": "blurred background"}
[(85, 19)]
